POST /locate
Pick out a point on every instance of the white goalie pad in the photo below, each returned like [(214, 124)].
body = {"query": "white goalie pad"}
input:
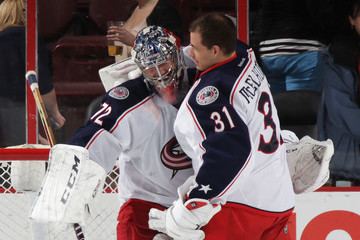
[(27, 175), (308, 162), (71, 181), (118, 73)]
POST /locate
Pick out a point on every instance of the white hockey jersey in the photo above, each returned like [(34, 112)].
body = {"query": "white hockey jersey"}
[(136, 126), (229, 127)]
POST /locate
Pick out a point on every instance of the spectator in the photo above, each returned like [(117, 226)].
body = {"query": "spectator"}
[(293, 36), (12, 75), (339, 115), (148, 12)]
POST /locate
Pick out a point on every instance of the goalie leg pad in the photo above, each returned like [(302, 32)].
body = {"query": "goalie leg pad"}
[(69, 184), (27, 175)]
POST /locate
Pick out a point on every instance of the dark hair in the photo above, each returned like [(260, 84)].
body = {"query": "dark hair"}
[(216, 29), (354, 8)]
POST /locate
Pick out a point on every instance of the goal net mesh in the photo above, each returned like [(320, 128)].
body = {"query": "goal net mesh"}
[(15, 207)]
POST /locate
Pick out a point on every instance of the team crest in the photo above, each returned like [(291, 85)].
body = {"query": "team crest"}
[(174, 158), (207, 95), (119, 93)]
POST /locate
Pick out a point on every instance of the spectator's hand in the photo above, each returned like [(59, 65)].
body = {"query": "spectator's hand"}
[(120, 34), (57, 119), (43, 140)]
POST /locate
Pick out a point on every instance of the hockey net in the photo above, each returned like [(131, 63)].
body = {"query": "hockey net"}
[(16, 205)]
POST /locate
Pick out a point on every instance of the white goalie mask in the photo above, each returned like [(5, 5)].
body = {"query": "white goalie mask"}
[(156, 52)]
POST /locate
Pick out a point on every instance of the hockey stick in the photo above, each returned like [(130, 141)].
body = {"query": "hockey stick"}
[(33, 82)]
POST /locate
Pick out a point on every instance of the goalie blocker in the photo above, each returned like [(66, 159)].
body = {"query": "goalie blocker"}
[(71, 181), (118, 73)]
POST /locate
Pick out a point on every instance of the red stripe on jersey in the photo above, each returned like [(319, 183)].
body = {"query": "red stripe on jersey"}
[(201, 146), (235, 178), (93, 138), (118, 121), (241, 76), (232, 57), (196, 122), (128, 111)]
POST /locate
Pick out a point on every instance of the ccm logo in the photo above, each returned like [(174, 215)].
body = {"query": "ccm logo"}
[(71, 181)]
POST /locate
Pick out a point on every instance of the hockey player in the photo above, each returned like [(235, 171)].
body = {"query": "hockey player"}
[(136, 126), (228, 125)]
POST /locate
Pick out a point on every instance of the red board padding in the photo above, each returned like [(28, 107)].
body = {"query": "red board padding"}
[(320, 226)]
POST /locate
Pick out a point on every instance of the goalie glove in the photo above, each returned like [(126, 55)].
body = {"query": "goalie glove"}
[(289, 136), (308, 162), (184, 220), (70, 183), (118, 73)]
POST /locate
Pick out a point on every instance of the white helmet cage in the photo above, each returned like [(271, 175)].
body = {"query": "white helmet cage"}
[(156, 48)]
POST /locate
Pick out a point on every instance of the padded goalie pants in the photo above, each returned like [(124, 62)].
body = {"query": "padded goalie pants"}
[(236, 221), (133, 220)]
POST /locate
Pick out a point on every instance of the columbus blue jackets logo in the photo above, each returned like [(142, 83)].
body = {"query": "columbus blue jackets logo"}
[(119, 93), (174, 158), (207, 95)]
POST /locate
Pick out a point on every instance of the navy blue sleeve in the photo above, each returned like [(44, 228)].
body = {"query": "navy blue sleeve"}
[(115, 103), (227, 142), (226, 154)]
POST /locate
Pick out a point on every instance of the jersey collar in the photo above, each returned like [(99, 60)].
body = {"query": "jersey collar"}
[(232, 57)]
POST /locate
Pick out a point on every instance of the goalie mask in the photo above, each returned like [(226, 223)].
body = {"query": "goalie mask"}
[(156, 52)]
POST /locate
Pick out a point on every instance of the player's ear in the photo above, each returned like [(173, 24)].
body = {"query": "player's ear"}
[(215, 50)]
